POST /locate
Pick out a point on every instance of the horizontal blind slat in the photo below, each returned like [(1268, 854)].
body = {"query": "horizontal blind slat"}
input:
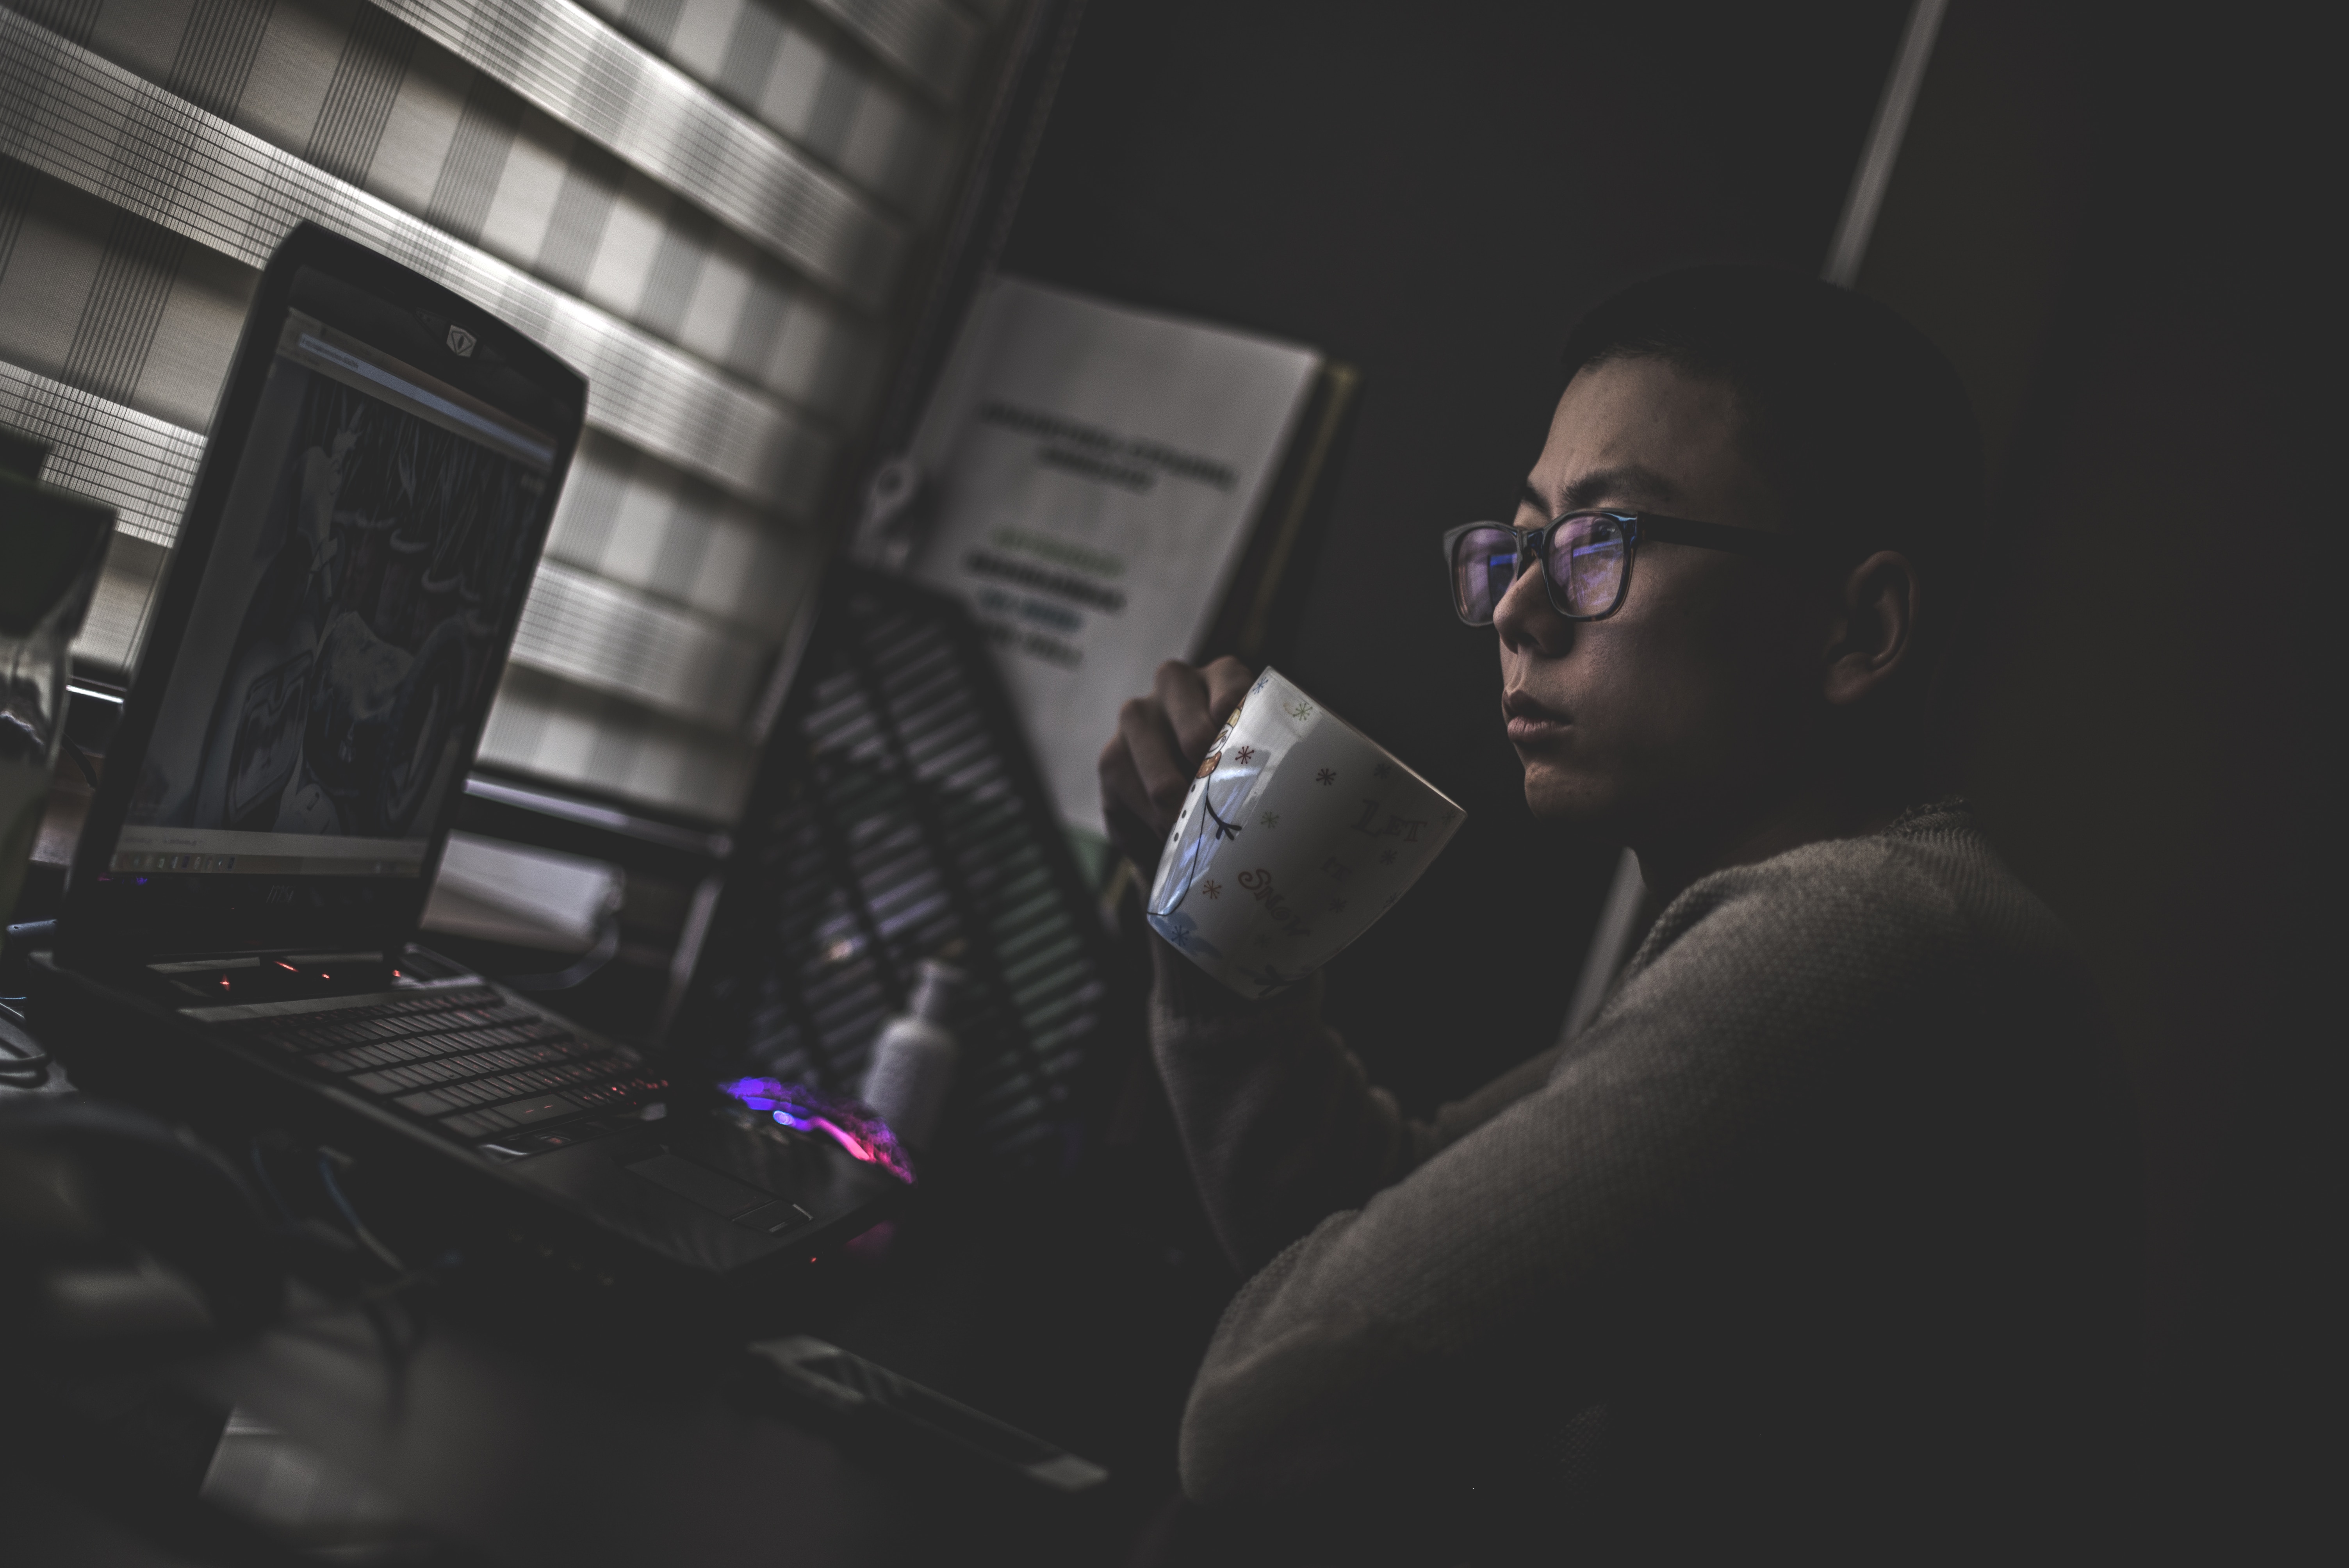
[(597, 634), (929, 40), (801, 83), (140, 466), (581, 738), (574, 67), (81, 120)]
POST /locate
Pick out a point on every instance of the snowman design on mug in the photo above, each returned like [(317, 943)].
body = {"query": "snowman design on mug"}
[(1201, 826)]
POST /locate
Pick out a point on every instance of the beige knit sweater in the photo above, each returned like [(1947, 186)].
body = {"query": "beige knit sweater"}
[(1812, 1227)]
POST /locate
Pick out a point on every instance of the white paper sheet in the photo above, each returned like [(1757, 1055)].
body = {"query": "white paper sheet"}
[(1093, 472)]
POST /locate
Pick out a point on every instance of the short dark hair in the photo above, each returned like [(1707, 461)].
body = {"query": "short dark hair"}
[(1858, 425)]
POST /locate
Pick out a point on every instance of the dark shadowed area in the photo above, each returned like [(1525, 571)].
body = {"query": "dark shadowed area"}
[(2129, 291)]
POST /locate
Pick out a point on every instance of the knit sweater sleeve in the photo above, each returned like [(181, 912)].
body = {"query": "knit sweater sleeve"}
[(1400, 1249), (1281, 1124)]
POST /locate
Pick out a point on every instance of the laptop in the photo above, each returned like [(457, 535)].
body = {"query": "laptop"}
[(237, 931)]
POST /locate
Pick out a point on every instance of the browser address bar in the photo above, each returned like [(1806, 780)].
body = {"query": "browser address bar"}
[(542, 452)]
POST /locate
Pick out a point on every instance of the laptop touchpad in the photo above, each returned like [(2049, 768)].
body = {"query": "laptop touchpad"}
[(720, 1194)]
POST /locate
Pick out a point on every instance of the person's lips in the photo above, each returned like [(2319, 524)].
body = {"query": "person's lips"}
[(1532, 722)]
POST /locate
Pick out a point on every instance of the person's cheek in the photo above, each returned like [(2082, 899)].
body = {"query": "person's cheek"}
[(1755, 715)]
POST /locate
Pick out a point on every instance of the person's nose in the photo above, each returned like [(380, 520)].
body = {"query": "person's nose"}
[(1523, 616)]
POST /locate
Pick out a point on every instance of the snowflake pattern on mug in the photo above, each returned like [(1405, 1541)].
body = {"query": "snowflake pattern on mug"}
[(1383, 770), (1270, 818), (1325, 777), (1244, 753), (1301, 710), (1387, 859), (1212, 889)]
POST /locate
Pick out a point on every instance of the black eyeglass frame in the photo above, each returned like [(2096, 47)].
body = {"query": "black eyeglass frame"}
[(1534, 543)]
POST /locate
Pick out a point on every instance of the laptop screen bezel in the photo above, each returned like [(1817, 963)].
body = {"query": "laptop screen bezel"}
[(228, 914)]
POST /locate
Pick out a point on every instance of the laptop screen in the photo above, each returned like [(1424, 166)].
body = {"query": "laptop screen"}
[(370, 517), (377, 526)]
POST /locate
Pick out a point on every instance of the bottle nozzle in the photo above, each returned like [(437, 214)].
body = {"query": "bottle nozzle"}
[(935, 989)]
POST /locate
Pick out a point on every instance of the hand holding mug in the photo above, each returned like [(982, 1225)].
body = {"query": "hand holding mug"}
[(1146, 769)]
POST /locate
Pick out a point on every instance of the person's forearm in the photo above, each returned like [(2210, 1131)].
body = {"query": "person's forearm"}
[(1280, 1123)]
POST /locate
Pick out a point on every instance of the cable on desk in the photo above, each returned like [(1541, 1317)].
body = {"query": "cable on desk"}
[(378, 1295), (27, 1069), (374, 1302), (269, 1185), (328, 1158)]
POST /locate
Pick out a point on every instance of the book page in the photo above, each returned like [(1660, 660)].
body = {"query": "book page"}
[(1093, 472)]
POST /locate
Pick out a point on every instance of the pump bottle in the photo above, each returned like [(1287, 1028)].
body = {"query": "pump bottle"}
[(912, 1060)]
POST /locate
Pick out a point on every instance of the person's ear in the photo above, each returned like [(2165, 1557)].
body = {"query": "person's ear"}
[(1874, 633)]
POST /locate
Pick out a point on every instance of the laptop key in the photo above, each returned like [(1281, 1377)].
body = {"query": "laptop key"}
[(622, 1094)]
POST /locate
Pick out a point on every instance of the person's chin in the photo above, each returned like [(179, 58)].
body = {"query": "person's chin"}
[(1559, 791)]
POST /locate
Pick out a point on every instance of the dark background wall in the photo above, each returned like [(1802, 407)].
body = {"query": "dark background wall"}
[(1434, 193), (2110, 219)]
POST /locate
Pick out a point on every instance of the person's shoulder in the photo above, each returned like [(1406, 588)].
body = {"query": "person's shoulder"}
[(1942, 846), (1927, 887), (1910, 931)]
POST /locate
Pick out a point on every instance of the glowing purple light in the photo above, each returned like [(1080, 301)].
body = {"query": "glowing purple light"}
[(847, 1122)]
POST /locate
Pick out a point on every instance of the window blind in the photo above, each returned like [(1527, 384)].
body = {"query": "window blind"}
[(711, 207)]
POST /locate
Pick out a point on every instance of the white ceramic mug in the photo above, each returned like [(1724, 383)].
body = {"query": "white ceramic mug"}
[(1299, 832)]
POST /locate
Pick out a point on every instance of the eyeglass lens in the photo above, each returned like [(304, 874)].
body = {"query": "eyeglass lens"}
[(1586, 568), (1586, 564), (1484, 564)]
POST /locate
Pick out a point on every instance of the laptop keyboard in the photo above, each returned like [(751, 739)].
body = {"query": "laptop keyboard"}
[(467, 1059)]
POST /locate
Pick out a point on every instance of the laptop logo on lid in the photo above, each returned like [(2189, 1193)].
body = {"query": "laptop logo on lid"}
[(460, 342)]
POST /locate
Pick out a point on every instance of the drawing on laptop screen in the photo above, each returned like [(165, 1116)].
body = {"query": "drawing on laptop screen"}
[(375, 538)]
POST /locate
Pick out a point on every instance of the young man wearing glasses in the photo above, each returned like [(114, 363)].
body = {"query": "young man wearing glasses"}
[(1810, 1236)]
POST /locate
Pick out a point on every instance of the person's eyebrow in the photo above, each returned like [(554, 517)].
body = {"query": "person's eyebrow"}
[(1627, 485)]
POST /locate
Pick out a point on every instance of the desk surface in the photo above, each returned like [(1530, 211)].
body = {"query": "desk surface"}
[(1074, 1308), (1024, 1305), (528, 1459)]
